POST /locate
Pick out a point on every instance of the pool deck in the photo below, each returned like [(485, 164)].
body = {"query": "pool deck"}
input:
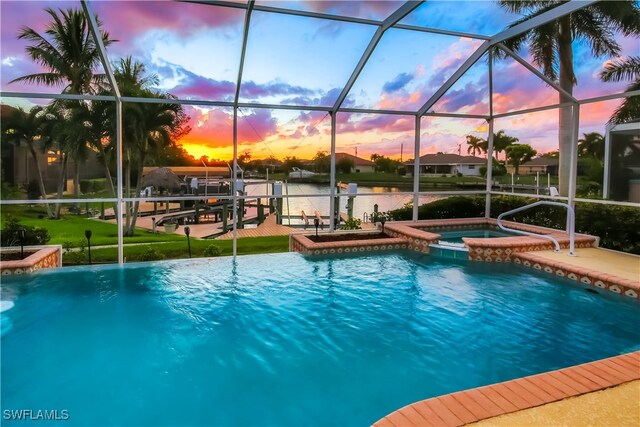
[(609, 407), (619, 264), (470, 406)]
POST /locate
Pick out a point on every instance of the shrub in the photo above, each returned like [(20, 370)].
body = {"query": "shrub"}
[(33, 190), (352, 224), (498, 169), (92, 185), (150, 254), (10, 234), (211, 251)]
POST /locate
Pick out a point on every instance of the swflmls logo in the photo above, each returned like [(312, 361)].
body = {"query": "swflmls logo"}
[(31, 415)]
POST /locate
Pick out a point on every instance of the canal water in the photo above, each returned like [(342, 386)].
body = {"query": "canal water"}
[(318, 199)]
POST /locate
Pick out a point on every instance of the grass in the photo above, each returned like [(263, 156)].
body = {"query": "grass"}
[(386, 179), (177, 250), (70, 228)]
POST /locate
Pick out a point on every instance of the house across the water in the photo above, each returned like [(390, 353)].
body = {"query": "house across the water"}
[(448, 164)]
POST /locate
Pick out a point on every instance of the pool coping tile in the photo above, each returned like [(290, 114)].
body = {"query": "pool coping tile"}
[(467, 406)]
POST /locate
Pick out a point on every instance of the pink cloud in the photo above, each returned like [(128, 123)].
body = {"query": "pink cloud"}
[(378, 10), (214, 128), (378, 123), (128, 19)]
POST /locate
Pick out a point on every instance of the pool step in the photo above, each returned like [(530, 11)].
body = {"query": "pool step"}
[(448, 251)]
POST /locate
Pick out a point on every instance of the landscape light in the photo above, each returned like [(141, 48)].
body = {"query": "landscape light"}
[(187, 231), (22, 234)]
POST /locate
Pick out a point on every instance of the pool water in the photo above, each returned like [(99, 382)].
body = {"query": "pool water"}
[(288, 340), (456, 236)]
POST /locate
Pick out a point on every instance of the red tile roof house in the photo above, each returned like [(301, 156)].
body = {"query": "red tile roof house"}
[(359, 164), (448, 164)]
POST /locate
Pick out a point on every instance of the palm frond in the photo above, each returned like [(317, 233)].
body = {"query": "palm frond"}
[(622, 69)]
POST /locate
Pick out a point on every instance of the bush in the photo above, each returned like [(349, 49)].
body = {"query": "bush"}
[(212, 251), (498, 169), (150, 254), (352, 224), (617, 226), (10, 234), (92, 185), (33, 190)]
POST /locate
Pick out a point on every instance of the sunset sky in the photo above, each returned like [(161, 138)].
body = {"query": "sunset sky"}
[(195, 50)]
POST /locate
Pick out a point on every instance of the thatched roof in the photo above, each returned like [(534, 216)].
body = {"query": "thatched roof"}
[(161, 178)]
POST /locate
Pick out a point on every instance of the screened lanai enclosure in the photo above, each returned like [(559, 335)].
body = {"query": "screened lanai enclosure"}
[(137, 120)]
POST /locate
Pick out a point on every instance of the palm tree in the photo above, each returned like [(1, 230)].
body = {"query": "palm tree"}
[(592, 145), (518, 154), (476, 144), (69, 55), (625, 69), (501, 141), (30, 129), (551, 47), (67, 52), (93, 122), (147, 127)]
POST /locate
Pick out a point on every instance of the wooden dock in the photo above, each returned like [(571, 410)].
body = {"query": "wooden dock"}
[(267, 228)]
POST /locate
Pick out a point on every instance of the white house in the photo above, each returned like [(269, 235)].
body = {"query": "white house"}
[(448, 164)]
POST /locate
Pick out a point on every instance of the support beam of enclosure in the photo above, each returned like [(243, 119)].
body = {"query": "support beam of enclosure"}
[(489, 175), (395, 17), (97, 38), (234, 178), (332, 174), (573, 173), (416, 170), (536, 72), (543, 18), (339, 18), (454, 78)]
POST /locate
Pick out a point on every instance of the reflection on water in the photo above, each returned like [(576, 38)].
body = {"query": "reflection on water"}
[(320, 203)]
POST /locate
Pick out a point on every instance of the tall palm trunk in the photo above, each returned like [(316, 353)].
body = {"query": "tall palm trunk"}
[(132, 226), (107, 174), (127, 187), (43, 191), (61, 181), (76, 179), (567, 81)]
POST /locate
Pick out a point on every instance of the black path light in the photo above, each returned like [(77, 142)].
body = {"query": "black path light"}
[(22, 233), (87, 234), (316, 223), (187, 231), (382, 221)]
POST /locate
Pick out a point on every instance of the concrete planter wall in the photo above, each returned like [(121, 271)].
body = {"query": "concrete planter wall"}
[(49, 256)]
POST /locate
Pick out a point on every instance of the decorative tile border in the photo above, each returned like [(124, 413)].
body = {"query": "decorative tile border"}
[(417, 236), (301, 243), (45, 257), (598, 279), (473, 405)]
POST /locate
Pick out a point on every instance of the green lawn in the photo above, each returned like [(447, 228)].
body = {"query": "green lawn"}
[(385, 179), (70, 228), (175, 250)]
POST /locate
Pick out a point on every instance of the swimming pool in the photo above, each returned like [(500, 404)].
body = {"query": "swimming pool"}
[(288, 340)]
